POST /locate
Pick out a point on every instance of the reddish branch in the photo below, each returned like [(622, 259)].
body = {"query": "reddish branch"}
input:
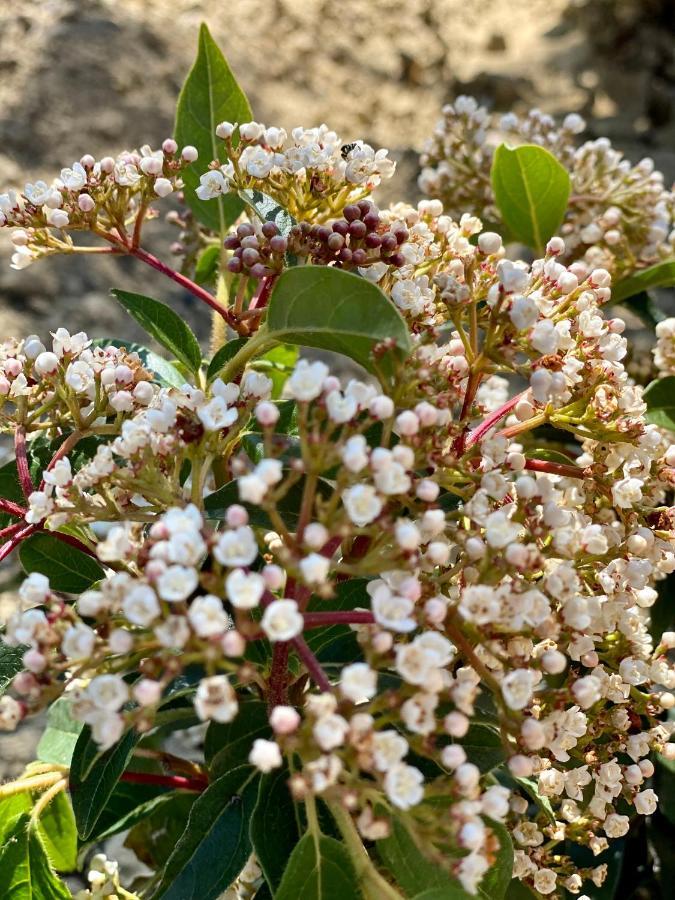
[(553, 468), (21, 454), (178, 782), (338, 617)]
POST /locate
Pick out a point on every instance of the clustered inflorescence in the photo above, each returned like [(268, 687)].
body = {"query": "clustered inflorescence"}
[(620, 215), (492, 579)]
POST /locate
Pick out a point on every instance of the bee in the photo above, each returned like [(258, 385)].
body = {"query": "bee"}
[(346, 149)]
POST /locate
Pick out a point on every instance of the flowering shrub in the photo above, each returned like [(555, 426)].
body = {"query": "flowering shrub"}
[(382, 635)]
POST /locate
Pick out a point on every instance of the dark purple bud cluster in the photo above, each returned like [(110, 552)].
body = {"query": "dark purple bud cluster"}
[(257, 255), (358, 239)]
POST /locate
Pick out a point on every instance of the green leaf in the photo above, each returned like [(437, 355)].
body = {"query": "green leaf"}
[(10, 664), (215, 844), (59, 738), (532, 788), (154, 837), (68, 569), (153, 362), (209, 96), (93, 776), (164, 325), (278, 364), (25, 868), (660, 275), (518, 890), (135, 815), (531, 190), (227, 746), (275, 826), (645, 308), (126, 799), (550, 455), (319, 306), (59, 834), (337, 643), (660, 399), (222, 356), (498, 877), (483, 746), (206, 269), (217, 503), (319, 869), (413, 871)]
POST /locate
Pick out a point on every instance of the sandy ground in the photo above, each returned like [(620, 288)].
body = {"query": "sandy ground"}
[(97, 76)]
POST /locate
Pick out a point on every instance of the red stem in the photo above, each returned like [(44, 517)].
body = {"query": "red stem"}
[(543, 465), (494, 417), (173, 781), (14, 541), (21, 453), (262, 295), (278, 680), (12, 508), (10, 529), (311, 663), (338, 617)]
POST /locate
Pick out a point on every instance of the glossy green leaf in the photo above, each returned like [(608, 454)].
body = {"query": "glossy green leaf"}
[(58, 740), (128, 804), (483, 746), (319, 869), (165, 372), (278, 364), (227, 746), (10, 489), (209, 96), (68, 569), (164, 325), (10, 664), (93, 776), (59, 834), (155, 835), (215, 844), (518, 890), (222, 356), (498, 877), (660, 399), (532, 788), (531, 190), (413, 871), (660, 275), (275, 826), (206, 269), (324, 307), (24, 866)]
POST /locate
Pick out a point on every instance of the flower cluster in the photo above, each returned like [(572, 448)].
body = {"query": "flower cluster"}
[(100, 196), (461, 554), (620, 215), (313, 172)]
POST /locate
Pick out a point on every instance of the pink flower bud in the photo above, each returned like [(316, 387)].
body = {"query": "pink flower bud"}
[(284, 719), (169, 146)]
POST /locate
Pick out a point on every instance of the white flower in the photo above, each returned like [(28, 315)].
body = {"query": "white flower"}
[(389, 748), (78, 641), (255, 384), (627, 492), (282, 620), (207, 616), (215, 699), (404, 785), (243, 589), (236, 547), (258, 161), (163, 187), (315, 568), (307, 380), (616, 826), (39, 507), (284, 719), (355, 453), (74, 179), (330, 731), (646, 802), (108, 692), (212, 184), (216, 414), (265, 755), (362, 504), (10, 713), (500, 530), (177, 583), (512, 276), (545, 881), (340, 408), (517, 687), (34, 589), (587, 691), (358, 682), (391, 610)]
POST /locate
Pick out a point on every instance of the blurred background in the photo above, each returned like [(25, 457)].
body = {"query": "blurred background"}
[(99, 76)]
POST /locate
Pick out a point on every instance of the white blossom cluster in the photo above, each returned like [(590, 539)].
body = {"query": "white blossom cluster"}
[(502, 579), (300, 167), (91, 195), (620, 215)]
